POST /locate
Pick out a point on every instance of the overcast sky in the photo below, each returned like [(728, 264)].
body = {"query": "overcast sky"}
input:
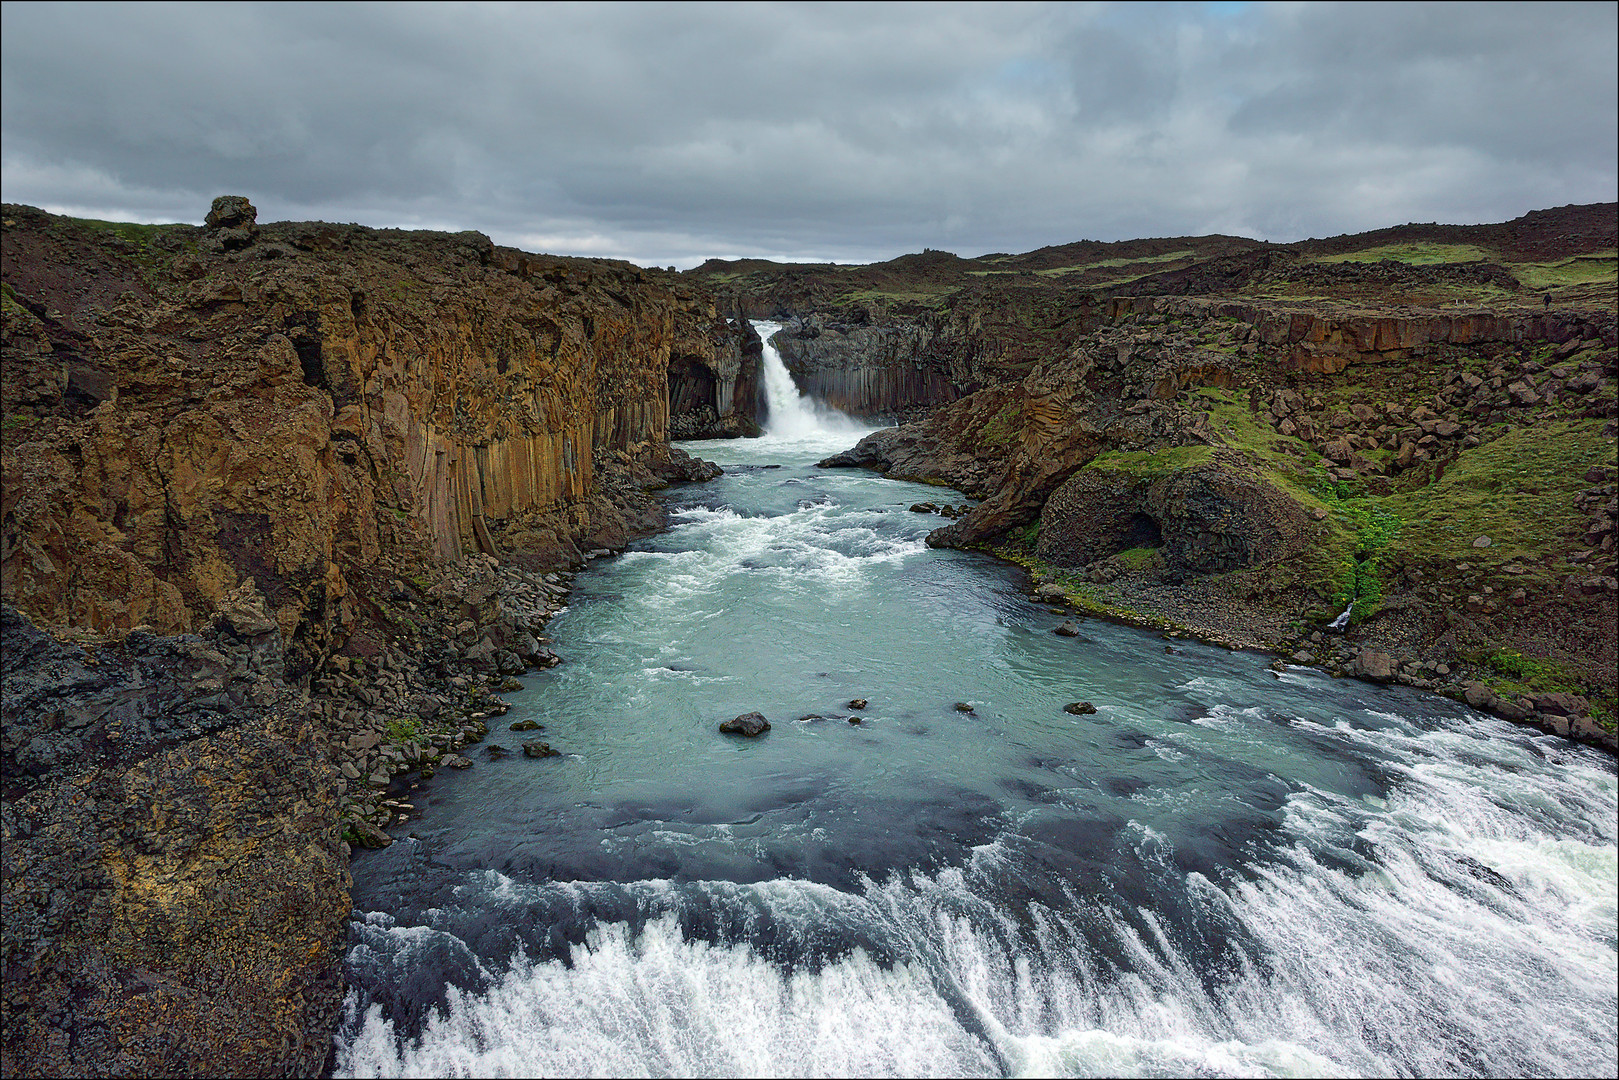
[(670, 133)]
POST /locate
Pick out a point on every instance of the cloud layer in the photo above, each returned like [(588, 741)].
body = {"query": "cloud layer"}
[(667, 134)]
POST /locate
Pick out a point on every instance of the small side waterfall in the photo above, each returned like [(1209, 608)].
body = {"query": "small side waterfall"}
[(794, 415)]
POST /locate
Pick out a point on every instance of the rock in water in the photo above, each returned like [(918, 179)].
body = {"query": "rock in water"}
[(527, 725), (857, 703), (536, 748), (749, 724), (1068, 628), (962, 706), (1079, 708)]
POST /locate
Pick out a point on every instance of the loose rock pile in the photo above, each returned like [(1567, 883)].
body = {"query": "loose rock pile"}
[(402, 708)]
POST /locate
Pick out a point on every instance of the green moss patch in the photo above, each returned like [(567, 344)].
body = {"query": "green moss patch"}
[(1595, 269), (1519, 490), (1416, 254)]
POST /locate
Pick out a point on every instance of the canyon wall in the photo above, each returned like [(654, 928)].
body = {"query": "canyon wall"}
[(312, 399), (880, 363), (225, 450), (714, 381)]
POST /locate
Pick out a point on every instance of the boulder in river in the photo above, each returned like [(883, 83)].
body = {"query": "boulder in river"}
[(495, 751), (536, 748), (857, 703), (1067, 628), (528, 725), (367, 835), (749, 724), (1079, 708), (456, 761), (962, 706)]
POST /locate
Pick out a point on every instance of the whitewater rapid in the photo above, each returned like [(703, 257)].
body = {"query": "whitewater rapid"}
[(1221, 872)]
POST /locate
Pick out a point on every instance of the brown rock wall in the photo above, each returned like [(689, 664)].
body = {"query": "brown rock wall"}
[(328, 396)]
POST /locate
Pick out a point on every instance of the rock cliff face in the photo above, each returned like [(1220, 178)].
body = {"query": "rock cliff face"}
[(1252, 467), (865, 369), (225, 452), (311, 398), (714, 387)]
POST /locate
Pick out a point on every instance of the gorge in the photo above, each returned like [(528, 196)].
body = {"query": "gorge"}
[(287, 506)]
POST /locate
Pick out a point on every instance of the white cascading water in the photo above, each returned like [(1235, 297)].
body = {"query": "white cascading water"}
[(1221, 872), (794, 416)]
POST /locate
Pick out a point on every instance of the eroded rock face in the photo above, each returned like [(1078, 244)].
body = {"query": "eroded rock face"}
[(332, 396), (1208, 518), (176, 894), (714, 381), (864, 369)]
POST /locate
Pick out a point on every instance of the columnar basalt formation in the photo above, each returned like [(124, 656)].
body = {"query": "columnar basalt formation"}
[(714, 381), (243, 463), (865, 369), (324, 396)]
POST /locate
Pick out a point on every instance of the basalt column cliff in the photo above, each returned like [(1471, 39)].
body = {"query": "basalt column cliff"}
[(217, 442)]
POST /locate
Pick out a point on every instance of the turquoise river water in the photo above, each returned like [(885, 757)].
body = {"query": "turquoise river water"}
[(1221, 872)]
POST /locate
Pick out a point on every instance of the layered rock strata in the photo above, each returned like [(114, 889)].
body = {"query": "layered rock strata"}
[(1247, 469), (294, 499)]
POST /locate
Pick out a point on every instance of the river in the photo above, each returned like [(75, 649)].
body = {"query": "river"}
[(1221, 871)]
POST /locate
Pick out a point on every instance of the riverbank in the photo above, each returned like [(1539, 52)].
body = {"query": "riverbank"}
[(1208, 611)]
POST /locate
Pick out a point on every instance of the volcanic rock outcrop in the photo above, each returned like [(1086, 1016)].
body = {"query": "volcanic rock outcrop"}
[(325, 397), (176, 894), (249, 463)]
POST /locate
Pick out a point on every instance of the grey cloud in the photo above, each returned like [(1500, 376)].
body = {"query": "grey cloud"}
[(672, 132)]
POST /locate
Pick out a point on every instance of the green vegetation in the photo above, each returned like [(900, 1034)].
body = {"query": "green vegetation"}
[(1147, 464), (1139, 558), (1600, 268), (125, 230), (1519, 490), (1078, 593), (1510, 673), (1102, 264), (403, 731), (1359, 577), (9, 302), (1002, 430), (920, 294), (1417, 254)]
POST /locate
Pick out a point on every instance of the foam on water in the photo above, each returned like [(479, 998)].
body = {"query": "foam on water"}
[(1208, 876), (1477, 943)]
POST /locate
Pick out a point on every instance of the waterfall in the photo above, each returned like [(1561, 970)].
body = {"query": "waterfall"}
[(793, 415)]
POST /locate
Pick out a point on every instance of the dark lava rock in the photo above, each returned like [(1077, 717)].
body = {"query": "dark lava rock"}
[(1079, 708), (536, 748), (528, 725), (1068, 628), (749, 724), (857, 703), (368, 835), (170, 849), (232, 224)]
